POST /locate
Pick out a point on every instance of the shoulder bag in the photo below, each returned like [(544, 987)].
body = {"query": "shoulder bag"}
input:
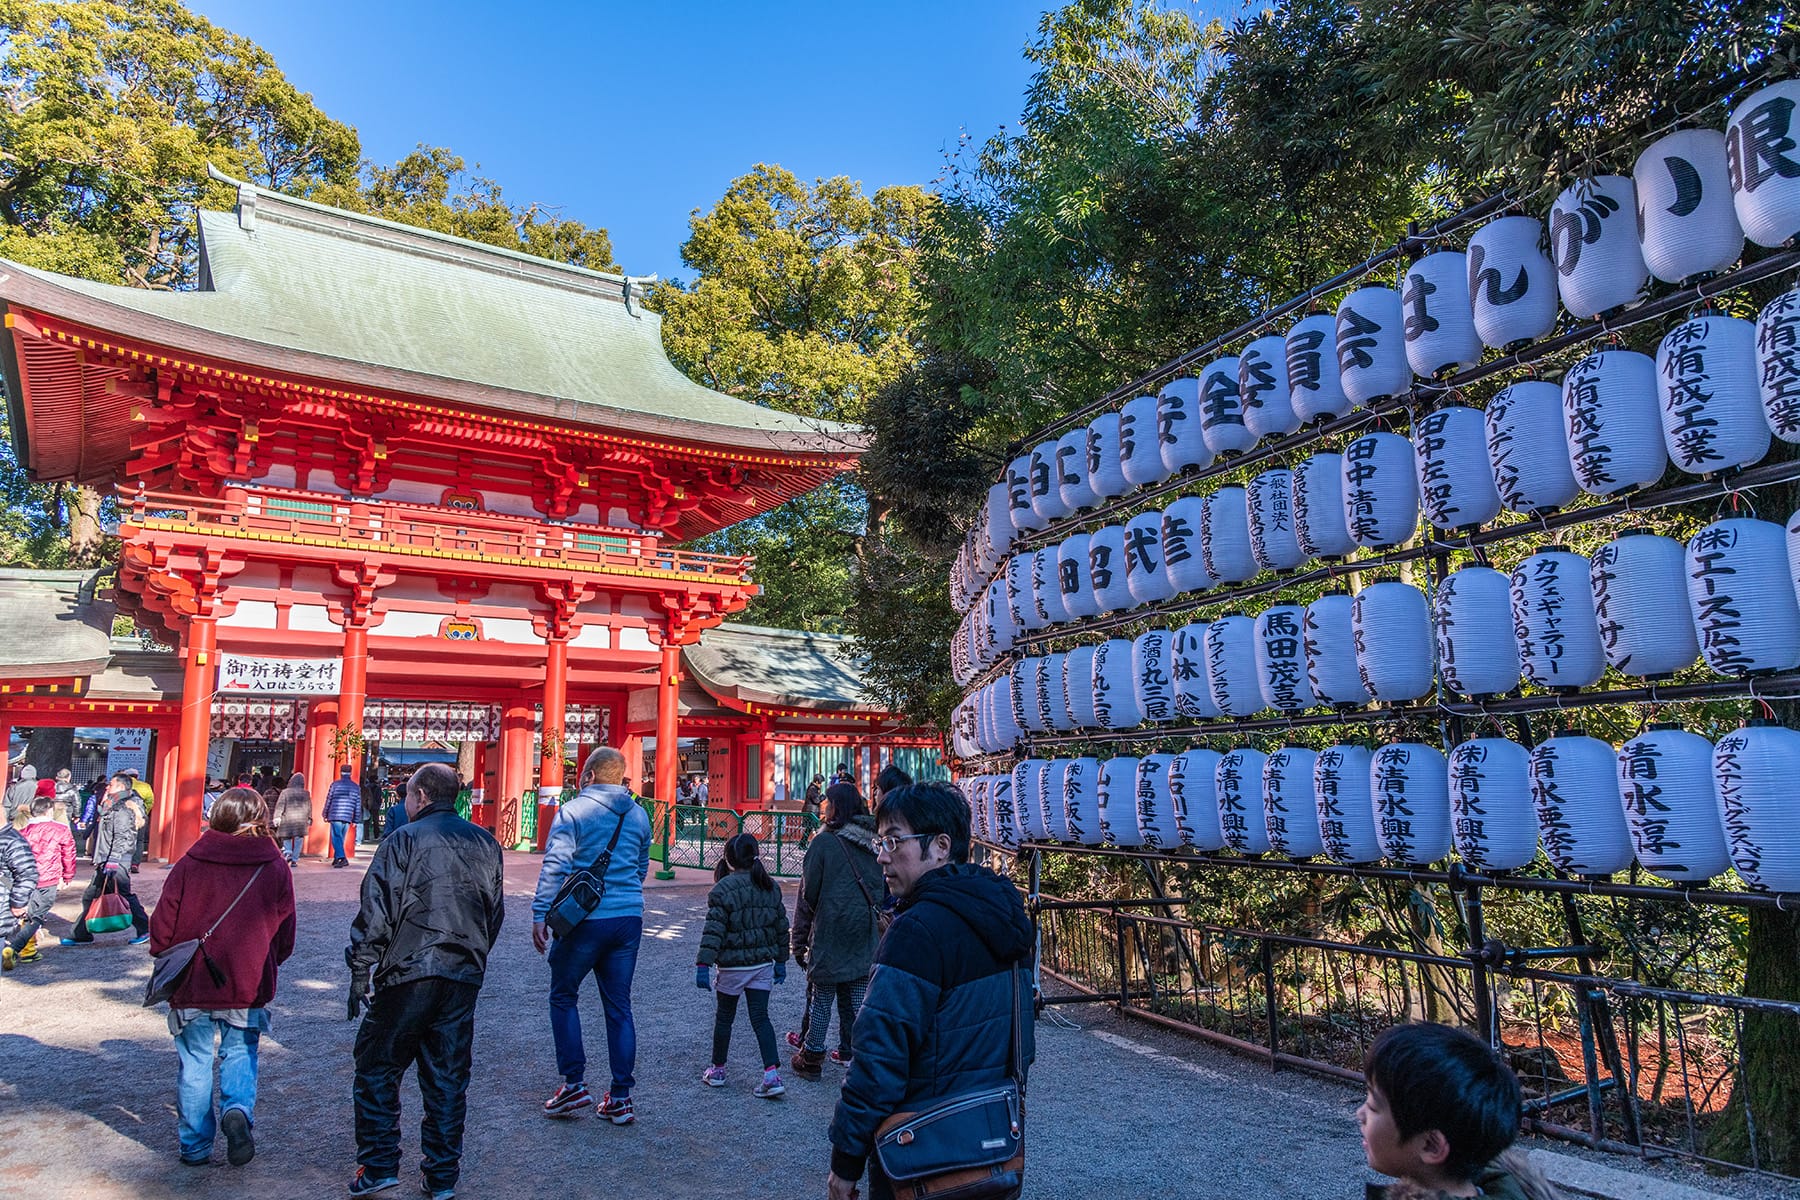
[(169, 967), (581, 892), (970, 1146), (883, 916), (109, 912)]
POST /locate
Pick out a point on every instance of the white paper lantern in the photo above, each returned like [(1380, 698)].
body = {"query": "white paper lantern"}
[(1778, 364), (1712, 414), (1575, 789), (1329, 639), (1222, 409), (1263, 388), (1028, 688), (1492, 821), (1672, 805), (1611, 413), (1052, 808), (1289, 815), (1178, 426), (1018, 592), (1003, 627), (1320, 529), (1005, 818), (1762, 165), (999, 526), (1106, 569), (1554, 620), (1046, 588), (1371, 346), (1193, 688), (1456, 486), (1593, 242), (1346, 811), (1146, 576), (1080, 782), (1115, 689), (1409, 784), (1140, 451), (1028, 781), (1078, 687), (1686, 222), (1225, 536), (1071, 471), (1754, 770), (1053, 693), (1639, 584), (975, 787), (1315, 391), (1153, 673), (1156, 824), (1193, 790), (1281, 658), (1078, 598), (1183, 558), (1439, 325), (1018, 491), (1106, 476), (1237, 784), (1046, 496), (1231, 665), (1381, 490), (1118, 802), (1742, 597), (1478, 654), (1512, 283), (1528, 447), (1269, 505), (1393, 641)]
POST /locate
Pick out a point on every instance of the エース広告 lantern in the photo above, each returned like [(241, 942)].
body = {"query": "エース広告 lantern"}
[(1269, 506), (1686, 221), (1672, 804), (1314, 388), (1281, 658), (1742, 598), (1289, 815), (1438, 321), (1762, 166), (1614, 429), (1754, 770), (1392, 634), (1263, 388), (1492, 821), (1237, 785), (1230, 649), (1706, 384), (1594, 244), (1554, 619), (1317, 495), (1225, 536), (1341, 798), (1512, 283), (1575, 789), (1381, 490), (1456, 486), (1329, 639), (1528, 447), (1409, 785), (1478, 654), (1639, 584), (1371, 346)]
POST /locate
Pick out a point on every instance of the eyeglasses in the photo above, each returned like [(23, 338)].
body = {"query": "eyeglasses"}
[(888, 843)]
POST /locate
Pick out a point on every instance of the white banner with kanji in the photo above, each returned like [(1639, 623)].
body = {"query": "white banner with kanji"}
[(242, 673)]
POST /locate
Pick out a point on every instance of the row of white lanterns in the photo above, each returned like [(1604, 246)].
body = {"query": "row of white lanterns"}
[(1683, 213), (1644, 604), (1685, 809), (1535, 447)]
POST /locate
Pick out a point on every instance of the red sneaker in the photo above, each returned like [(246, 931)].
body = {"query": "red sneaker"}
[(617, 1111)]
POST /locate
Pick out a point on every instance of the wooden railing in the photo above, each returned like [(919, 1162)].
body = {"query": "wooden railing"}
[(280, 515)]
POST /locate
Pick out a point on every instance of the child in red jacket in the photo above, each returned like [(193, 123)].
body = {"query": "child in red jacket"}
[(53, 848)]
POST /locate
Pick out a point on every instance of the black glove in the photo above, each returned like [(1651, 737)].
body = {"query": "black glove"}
[(800, 957), (359, 993)]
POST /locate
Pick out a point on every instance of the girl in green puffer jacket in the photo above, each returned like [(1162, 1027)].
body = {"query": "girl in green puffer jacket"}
[(746, 935)]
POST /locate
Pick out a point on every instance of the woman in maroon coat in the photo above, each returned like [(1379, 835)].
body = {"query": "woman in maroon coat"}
[(218, 1011)]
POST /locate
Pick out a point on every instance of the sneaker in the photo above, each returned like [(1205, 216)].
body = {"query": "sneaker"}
[(196, 1162), (771, 1086), (140, 939), (839, 1058), (437, 1193), (365, 1184), (617, 1111), (240, 1147), (340, 862), (713, 1077), (570, 1098), (28, 955), (793, 1040), (72, 942)]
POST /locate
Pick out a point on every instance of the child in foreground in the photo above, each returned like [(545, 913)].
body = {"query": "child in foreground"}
[(746, 934), (1441, 1111)]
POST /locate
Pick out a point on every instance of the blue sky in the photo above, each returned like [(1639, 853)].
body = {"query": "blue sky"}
[(632, 115)]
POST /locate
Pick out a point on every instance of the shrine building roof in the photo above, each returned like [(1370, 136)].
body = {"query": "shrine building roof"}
[(786, 668), (52, 625), (291, 286)]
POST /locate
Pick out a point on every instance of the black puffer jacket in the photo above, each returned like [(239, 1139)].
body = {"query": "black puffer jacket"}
[(18, 876), (116, 842), (840, 890), (936, 1019), (432, 902), (746, 925)]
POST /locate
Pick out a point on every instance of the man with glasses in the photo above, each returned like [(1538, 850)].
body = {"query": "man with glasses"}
[(937, 1019)]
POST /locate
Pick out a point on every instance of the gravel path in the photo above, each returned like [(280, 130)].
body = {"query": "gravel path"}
[(1117, 1109)]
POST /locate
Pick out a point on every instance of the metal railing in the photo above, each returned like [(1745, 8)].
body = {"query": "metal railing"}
[(398, 528), (700, 834)]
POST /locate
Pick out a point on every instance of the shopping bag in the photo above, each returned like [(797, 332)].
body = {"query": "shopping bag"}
[(108, 913)]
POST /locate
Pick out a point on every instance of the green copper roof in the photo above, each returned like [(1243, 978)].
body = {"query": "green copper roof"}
[(784, 667), (295, 286)]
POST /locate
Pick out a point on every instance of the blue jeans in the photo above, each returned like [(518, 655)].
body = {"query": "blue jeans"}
[(338, 830), (608, 948), (200, 1042)]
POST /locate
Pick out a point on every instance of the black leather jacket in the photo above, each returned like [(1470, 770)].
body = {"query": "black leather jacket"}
[(432, 902)]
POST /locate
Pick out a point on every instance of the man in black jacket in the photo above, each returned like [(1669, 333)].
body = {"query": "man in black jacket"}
[(431, 909), (937, 1019)]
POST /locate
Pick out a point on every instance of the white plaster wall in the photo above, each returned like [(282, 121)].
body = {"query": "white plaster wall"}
[(252, 614), (405, 623), (281, 475), (634, 638), (505, 629), (598, 636), (510, 595), (310, 618)]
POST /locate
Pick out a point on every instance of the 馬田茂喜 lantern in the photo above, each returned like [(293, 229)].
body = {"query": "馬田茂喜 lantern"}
[(1281, 658)]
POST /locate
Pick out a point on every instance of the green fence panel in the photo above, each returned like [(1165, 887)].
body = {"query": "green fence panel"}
[(700, 835), (783, 835)]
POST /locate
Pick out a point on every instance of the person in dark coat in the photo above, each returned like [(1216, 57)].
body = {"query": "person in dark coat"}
[(836, 925), (432, 904), (343, 808), (18, 880), (115, 853), (220, 1011), (293, 817), (939, 1012)]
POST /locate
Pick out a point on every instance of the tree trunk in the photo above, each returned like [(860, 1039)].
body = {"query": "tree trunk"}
[(50, 750), (1765, 1096), (85, 533)]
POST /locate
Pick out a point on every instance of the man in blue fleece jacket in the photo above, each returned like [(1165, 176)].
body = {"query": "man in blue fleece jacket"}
[(606, 943), (936, 1020)]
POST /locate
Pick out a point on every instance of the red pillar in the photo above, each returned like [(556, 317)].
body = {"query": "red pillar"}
[(163, 784), (550, 762), (668, 716), (199, 670), (321, 769), (515, 770), (353, 690)]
